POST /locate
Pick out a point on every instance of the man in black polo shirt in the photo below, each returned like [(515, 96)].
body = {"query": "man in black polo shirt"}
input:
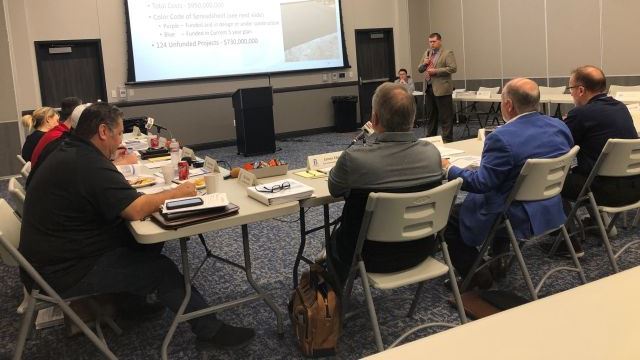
[(74, 227)]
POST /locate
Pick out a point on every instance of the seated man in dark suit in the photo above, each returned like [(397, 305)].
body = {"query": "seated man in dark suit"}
[(527, 134), (393, 161), (596, 119)]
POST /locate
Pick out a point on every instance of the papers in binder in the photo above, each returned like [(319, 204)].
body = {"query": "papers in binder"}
[(280, 192), (466, 162)]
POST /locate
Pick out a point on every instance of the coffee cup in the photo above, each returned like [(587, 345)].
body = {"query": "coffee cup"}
[(168, 173), (212, 182)]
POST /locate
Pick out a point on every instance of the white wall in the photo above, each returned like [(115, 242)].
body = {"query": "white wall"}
[(39, 20), (544, 39)]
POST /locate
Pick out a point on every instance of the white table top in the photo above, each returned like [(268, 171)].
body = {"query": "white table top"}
[(599, 320), (148, 232)]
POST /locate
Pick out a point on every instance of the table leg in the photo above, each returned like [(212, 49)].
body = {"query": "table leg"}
[(303, 243), (187, 296), (265, 296), (327, 223)]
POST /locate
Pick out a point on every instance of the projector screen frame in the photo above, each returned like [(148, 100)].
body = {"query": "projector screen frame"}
[(131, 61)]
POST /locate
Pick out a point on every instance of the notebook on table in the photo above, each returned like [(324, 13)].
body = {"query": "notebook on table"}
[(177, 220)]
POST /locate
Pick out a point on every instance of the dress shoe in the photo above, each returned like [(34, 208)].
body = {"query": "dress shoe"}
[(562, 250), (482, 280), (499, 268), (227, 337), (588, 222)]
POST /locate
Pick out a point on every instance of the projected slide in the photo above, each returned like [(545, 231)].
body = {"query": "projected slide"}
[(175, 39)]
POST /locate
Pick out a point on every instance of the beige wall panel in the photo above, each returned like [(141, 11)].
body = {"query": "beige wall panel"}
[(8, 111), (523, 38), (418, 31), (23, 54), (310, 109), (574, 34), (482, 39), (620, 33), (446, 19), (401, 37), (64, 20)]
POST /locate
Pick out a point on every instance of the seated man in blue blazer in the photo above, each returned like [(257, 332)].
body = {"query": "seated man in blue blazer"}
[(527, 134)]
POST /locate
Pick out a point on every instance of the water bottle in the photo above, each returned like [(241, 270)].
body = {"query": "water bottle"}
[(174, 149)]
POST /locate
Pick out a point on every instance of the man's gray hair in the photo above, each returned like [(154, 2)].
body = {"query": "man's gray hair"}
[(524, 93), (395, 107)]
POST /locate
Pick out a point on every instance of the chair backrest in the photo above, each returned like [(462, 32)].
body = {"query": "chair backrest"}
[(615, 89), (620, 157), (546, 90), (21, 159), (541, 179), (26, 169), (9, 232), (492, 90), (410, 216), (17, 193)]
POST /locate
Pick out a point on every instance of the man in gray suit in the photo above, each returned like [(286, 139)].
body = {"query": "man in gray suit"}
[(438, 64)]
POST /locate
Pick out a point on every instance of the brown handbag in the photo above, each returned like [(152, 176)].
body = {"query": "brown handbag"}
[(315, 314)]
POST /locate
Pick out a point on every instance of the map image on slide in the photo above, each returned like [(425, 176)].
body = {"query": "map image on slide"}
[(310, 38)]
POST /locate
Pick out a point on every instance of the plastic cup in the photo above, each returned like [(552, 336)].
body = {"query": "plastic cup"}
[(212, 182), (168, 174)]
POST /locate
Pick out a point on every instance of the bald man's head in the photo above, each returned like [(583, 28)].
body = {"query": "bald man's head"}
[(394, 107), (523, 93), (591, 78)]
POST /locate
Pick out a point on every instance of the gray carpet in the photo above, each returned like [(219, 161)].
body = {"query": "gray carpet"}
[(273, 246)]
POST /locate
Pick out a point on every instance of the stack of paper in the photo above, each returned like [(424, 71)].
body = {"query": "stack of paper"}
[(279, 192), (446, 152), (466, 162)]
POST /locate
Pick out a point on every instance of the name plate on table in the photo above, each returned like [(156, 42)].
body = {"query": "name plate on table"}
[(210, 164), (484, 94), (628, 96), (247, 178), (457, 92), (323, 161)]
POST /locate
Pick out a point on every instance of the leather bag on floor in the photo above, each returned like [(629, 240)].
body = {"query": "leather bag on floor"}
[(315, 314)]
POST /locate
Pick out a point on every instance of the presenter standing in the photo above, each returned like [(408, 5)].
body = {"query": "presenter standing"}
[(438, 64)]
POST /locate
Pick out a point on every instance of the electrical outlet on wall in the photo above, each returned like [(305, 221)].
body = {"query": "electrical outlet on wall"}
[(122, 91), (334, 76), (350, 74)]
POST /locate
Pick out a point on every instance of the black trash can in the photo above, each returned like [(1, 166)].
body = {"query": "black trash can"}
[(345, 113)]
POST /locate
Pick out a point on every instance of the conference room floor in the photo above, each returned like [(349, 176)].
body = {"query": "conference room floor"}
[(273, 245)]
